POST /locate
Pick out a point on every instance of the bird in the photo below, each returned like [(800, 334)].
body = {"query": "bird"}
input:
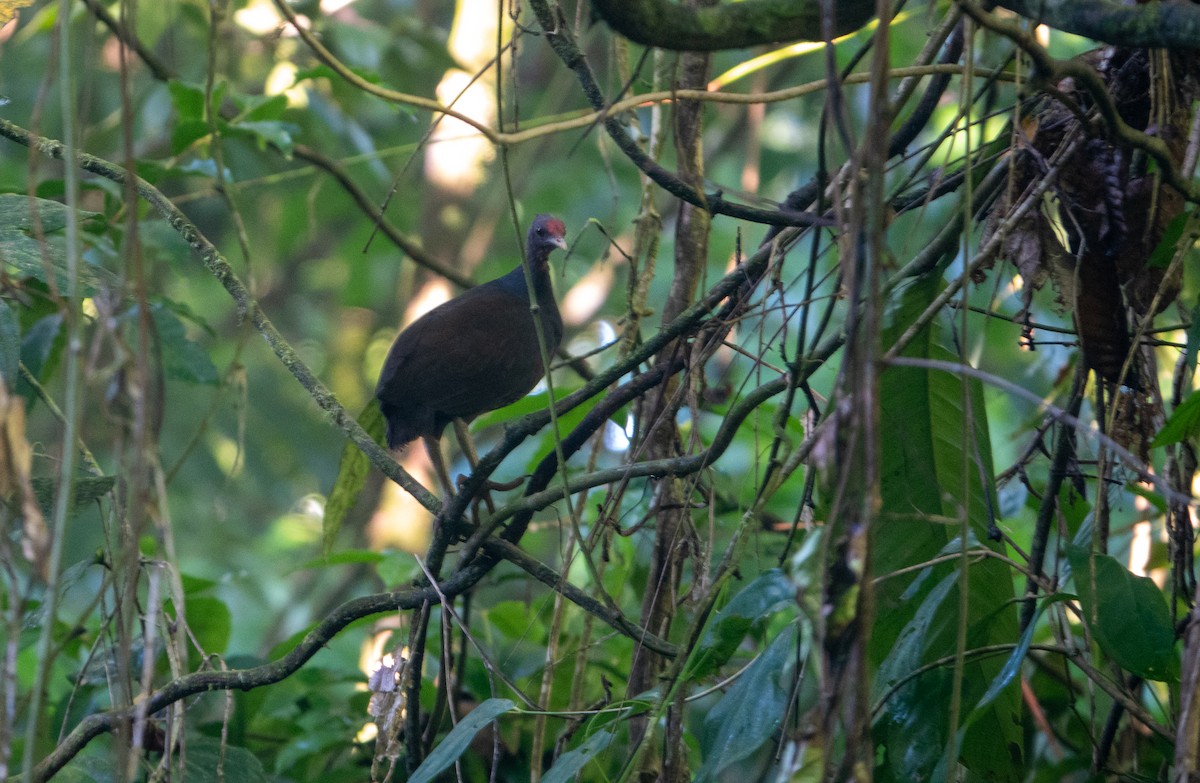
[(474, 354)]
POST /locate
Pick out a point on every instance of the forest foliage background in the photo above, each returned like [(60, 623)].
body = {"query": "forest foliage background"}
[(876, 400)]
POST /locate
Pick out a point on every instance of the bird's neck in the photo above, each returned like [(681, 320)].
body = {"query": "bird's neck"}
[(539, 270)]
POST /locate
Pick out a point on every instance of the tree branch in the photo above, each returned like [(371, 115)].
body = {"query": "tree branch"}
[(563, 43), (247, 305), (1169, 25), (666, 25)]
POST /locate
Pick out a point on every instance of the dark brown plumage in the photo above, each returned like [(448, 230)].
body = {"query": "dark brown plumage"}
[(475, 353)]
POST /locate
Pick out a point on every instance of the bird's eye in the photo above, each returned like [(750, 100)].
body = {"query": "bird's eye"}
[(541, 232)]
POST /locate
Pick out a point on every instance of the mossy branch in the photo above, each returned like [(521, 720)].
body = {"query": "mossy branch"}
[(665, 24), (247, 305)]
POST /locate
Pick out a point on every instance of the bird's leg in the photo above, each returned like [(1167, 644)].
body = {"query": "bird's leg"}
[(433, 446), (468, 449), (465, 443)]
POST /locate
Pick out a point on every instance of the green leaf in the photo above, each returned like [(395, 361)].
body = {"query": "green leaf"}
[(1183, 423), (1161, 257), (259, 108), (1127, 614), (195, 585), (210, 622), (398, 568), (347, 557), (24, 256), (351, 477), (1012, 666), (751, 711), (321, 71), (17, 213), (266, 133), (514, 619), (936, 465), (205, 755), (459, 739), (909, 647), (84, 491), (1193, 338), (183, 358), (187, 133), (10, 346), (40, 347), (188, 100), (573, 761), (753, 603)]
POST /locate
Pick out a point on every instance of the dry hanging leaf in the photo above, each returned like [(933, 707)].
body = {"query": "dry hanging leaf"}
[(8, 9), (16, 465)]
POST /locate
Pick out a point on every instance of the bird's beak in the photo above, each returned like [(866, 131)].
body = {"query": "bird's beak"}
[(559, 242)]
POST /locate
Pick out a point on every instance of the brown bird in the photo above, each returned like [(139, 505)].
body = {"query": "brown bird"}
[(475, 353)]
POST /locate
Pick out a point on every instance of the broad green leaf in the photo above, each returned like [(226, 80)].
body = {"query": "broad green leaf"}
[(259, 108), (187, 133), (937, 466), (573, 761), (83, 491), (351, 477), (515, 620), (397, 568), (459, 738), (210, 622), (347, 557), (195, 585), (183, 358), (320, 71), (1127, 614), (1183, 423), (18, 212), (1162, 254), (204, 758), (22, 256), (1012, 665), (909, 647), (753, 603), (751, 711), (266, 133), (10, 346), (1193, 339), (188, 100), (40, 346)]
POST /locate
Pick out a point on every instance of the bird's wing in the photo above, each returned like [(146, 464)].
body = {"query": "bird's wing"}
[(474, 353)]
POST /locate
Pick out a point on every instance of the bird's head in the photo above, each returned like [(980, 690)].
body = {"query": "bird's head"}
[(546, 233)]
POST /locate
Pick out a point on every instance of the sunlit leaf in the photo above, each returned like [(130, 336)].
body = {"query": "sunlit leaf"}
[(351, 478)]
